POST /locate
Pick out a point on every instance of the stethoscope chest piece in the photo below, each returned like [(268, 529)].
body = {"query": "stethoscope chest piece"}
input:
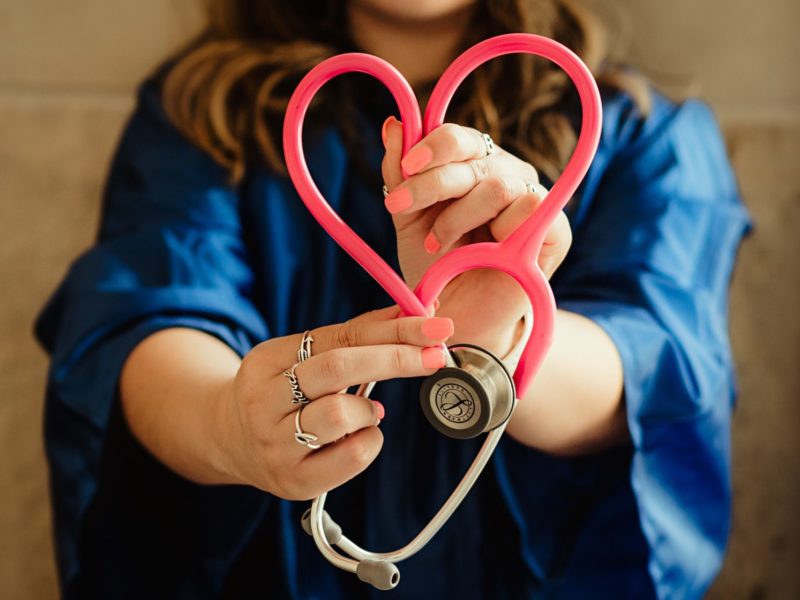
[(473, 396)]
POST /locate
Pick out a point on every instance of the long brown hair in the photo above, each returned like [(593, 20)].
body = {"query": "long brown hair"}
[(228, 89)]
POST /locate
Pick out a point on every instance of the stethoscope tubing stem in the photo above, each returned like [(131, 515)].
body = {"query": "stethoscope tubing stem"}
[(423, 537)]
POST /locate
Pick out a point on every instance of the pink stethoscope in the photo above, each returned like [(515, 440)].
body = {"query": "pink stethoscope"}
[(474, 392)]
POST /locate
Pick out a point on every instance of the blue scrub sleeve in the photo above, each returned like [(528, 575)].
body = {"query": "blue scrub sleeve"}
[(170, 253), (653, 252)]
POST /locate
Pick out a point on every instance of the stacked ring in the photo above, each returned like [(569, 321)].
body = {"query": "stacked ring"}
[(304, 353), (490, 147), (302, 437), (298, 397)]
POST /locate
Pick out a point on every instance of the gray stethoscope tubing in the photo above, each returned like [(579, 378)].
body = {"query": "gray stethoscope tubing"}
[(378, 568)]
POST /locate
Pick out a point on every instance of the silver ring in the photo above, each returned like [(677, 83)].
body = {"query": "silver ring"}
[(302, 437), (490, 147), (385, 191), (298, 397), (304, 353), (537, 189)]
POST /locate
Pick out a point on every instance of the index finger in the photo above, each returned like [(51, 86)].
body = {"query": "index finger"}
[(445, 144)]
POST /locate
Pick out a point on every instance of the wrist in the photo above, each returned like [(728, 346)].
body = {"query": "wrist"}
[(223, 433)]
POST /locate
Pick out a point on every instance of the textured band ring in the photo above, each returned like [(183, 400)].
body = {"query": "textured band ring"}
[(385, 192), (490, 147), (298, 397), (304, 353), (302, 437)]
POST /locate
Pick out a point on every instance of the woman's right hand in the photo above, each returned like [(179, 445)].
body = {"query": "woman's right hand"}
[(259, 446)]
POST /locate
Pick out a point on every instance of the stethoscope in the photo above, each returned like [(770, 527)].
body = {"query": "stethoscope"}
[(474, 392)]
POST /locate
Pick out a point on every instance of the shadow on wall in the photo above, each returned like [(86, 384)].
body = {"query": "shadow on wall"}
[(63, 101)]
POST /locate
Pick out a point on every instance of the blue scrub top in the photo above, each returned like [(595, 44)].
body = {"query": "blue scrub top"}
[(656, 228)]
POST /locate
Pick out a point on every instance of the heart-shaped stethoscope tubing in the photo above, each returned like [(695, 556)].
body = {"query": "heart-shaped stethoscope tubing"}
[(516, 255)]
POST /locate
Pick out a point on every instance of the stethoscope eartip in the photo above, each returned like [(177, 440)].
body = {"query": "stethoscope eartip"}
[(380, 574), (333, 532)]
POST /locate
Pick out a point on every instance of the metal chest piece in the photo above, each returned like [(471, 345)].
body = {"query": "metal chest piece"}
[(474, 395)]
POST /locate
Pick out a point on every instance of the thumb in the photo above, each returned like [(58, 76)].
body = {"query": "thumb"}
[(393, 143)]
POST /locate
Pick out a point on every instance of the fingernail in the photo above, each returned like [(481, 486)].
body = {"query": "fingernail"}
[(399, 200), (380, 410), (431, 244), (433, 358), (417, 159), (438, 328), (385, 128)]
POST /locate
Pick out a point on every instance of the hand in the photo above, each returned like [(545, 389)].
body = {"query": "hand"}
[(260, 448), (456, 195)]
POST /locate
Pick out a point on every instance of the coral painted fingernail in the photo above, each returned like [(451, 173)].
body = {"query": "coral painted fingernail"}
[(433, 358), (438, 328), (379, 407), (431, 244), (399, 200), (385, 128), (417, 159)]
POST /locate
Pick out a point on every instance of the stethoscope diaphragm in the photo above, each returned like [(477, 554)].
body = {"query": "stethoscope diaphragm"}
[(472, 395)]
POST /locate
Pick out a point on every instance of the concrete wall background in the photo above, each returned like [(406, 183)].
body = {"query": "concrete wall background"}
[(67, 73)]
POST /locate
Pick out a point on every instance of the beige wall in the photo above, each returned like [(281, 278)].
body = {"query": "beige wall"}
[(67, 71)]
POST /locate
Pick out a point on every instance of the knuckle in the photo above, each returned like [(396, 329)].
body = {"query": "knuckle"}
[(334, 367), (359, 454), (530, 202), (337, 414), (348, 335), (450, 137), (498, 193), (438, 179), (398, 331), (480, 169), (397, 359)]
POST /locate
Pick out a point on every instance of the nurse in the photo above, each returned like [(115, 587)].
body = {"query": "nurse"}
[(178, 456)]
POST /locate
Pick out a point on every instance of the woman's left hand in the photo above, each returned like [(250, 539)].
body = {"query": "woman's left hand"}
[(458, 194)]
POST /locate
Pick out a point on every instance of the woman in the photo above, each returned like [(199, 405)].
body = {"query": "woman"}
[(170, 427)]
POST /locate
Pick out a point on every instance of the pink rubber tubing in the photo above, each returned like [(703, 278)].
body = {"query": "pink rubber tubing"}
[(517, 254)]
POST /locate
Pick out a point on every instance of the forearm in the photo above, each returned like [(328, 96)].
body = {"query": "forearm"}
[(575, 403), (170, 389)]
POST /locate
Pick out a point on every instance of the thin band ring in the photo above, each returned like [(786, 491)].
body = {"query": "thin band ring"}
[(302, 437), (536, 188), (304, 353), (298, 397), (490, 147)]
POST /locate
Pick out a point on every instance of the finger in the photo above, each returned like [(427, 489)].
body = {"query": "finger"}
[(337, 463), (416, 331), (379, 314), (338, 369), (445, 144), (393, 143), (332, 417), (481, 205), (455, 180), (557, 242), (515, 215), (277, 354)]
